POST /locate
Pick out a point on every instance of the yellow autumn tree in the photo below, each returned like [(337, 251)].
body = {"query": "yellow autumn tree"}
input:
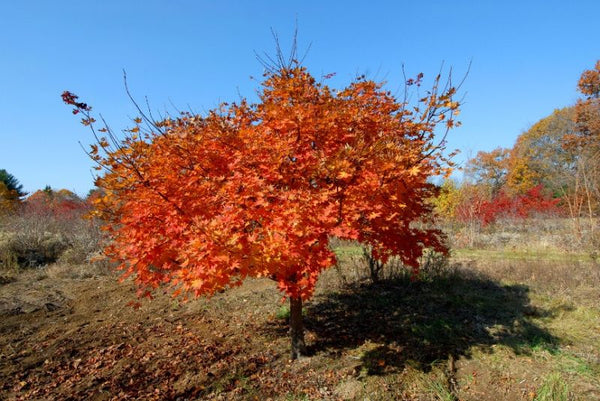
[(11, 192)]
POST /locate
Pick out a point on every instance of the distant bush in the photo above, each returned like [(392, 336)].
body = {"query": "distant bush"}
[(49, 227), (477, 206), (27, 246)]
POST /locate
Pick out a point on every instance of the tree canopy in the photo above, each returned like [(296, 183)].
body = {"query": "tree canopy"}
[(489, 168), (539, 156), (587, 109)]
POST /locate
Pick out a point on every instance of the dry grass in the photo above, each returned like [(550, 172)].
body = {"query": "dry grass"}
[(534, 235), (28, 241), (472, 329)]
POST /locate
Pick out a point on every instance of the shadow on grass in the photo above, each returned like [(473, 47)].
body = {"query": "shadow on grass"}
[(431, 320)]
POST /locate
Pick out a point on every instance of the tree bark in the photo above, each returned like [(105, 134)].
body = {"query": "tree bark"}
[(297, 328)]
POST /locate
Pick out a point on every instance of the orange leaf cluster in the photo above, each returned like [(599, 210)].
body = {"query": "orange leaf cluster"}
[(587, 111), (202, 202), (9, 199)]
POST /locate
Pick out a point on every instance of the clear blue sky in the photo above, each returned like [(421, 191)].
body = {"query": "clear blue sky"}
[(527, 57)]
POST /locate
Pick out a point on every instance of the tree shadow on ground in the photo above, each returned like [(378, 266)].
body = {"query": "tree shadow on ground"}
[(426, 321)]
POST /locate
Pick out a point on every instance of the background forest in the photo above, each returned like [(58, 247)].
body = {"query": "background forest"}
[(541, 194)]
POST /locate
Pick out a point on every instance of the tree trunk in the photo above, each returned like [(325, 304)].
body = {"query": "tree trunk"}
[(297, 328)]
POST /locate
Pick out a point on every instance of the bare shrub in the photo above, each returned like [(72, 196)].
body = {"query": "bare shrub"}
[(436, 265), (37, 236), (363, 266)]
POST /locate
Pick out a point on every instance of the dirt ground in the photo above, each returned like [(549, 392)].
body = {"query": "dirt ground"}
[(481, 331)]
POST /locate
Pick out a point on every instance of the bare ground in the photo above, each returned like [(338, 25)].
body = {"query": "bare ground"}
[(487, 330)]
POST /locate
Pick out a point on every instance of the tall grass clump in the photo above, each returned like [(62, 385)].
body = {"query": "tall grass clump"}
[(553, 388)]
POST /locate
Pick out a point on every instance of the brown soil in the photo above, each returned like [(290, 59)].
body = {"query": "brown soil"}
[(68, 334), (77, 338)]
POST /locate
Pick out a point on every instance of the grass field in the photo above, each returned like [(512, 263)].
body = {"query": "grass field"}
[(484, 327)]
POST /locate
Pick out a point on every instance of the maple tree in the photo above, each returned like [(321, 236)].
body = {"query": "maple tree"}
[(257, 190)]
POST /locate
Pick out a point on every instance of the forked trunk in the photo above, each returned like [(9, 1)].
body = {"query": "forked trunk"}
[(297, 328)]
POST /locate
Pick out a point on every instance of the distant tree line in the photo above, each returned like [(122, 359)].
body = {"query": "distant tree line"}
[(553, 168)]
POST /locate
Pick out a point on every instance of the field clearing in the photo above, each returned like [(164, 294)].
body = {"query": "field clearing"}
[(482, 328), (520, 255)]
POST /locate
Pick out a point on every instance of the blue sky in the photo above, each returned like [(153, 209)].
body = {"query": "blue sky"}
[(526, 59)]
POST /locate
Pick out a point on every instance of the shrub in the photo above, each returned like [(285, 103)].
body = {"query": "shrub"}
[(431, 265), (50, 227), (8, 257)]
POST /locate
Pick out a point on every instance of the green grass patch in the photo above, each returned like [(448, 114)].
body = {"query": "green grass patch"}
[(283, 312), (439, 390), (576, 365), (554, 388)]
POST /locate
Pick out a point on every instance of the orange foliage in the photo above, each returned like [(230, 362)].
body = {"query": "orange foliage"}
[(589, 82), (9, 199), (62, 204), (490, 168), (202, 202), (587, 110)]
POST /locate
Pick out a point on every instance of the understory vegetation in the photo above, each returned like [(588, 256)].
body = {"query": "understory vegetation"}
[(49, 227), (468, 328)]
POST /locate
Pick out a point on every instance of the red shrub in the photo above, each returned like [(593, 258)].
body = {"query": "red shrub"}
[(533, 202)]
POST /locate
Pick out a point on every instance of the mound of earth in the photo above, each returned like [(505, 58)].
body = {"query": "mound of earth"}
[(18, 300)]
